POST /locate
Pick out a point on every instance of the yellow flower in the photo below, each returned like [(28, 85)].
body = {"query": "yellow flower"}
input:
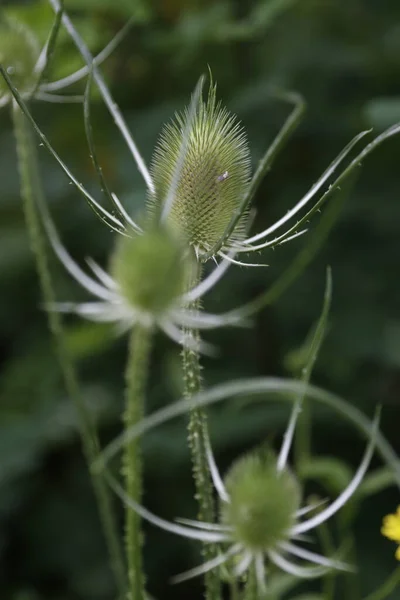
[(391, 529)]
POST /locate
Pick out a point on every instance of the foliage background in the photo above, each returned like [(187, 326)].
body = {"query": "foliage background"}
[(344, 57)]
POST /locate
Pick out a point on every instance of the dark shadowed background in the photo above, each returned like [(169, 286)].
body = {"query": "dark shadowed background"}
[(343, 56)]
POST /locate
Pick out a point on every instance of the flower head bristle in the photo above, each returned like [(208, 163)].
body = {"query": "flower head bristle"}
[(263, 501), (214, 175), (19, 52)]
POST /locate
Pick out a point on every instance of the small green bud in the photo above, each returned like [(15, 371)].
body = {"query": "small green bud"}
[(214, 176), (263, 502), (19, 52), (149, 270)]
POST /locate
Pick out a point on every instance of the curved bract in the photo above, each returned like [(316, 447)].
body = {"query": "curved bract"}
[(261, 518)]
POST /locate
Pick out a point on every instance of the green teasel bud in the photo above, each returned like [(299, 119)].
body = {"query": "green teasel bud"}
[(213, 177), (19, 52), (263, 501), (150, 270)]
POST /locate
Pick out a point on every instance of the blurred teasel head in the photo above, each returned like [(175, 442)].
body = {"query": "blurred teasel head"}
[(212, 174), (149, 270), (262, 501), (19, 53), (262, 518)]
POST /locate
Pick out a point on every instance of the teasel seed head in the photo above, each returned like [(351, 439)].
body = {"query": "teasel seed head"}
[(213, 177), (263, 501)]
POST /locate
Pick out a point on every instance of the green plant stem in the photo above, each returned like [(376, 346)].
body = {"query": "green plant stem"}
[(197, 435), (234, 589), (251, 588), (136, 379), (32, 193), (328, 549), (351, 584), (387, 587), (302, 439)]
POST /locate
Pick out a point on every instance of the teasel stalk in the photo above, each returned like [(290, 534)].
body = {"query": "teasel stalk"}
[(136, 379), (21, 55), (197, 437), (32, 193)]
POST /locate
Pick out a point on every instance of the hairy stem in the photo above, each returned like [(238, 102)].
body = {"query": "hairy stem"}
[(197, 435), (32, 194), (136, 379)]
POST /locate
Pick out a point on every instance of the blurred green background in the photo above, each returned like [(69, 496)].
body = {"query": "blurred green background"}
[(344, 57)]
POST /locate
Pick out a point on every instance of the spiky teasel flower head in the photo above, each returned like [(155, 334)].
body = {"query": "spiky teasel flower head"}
[(19, 53), (262, 520), (213, 175), (391, 529), (263, 501)]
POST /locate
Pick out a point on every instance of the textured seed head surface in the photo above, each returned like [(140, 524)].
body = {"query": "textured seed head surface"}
[(263, 501), (214, 176)]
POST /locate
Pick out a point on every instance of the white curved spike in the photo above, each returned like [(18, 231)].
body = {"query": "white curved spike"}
[(288, 436), (101, 274), (98, 312), (293, 569), (303, 538), (108, 99), (60, 84), (74, 269), (292, 237), (184, 340), (204, 536), (260, 573), (243, 564), (251, 248), (208, 282), (309, 508), (204, 525), (202, 320), (207, 566), (315, 558), (57, 98), (105, 317), (241, 264), (312, 191), (345, 495), (125, 214), (83, 308), (41, 62), (215, 476)]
